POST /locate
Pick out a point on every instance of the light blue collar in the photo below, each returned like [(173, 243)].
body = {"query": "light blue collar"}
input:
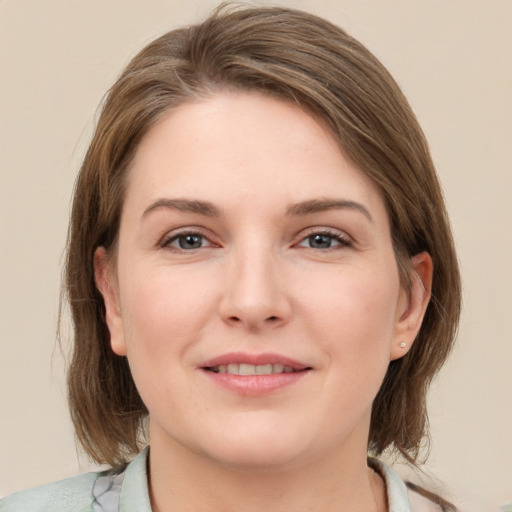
[(127, 491), (398, 500)]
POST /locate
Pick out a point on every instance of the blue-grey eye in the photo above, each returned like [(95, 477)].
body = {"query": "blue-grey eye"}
[(188, 241), (320, 241), (323, 241)]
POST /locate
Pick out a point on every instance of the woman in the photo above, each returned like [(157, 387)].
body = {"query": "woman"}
[(261, 275)]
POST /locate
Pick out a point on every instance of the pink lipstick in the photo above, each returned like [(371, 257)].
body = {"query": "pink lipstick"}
[(254, 374)]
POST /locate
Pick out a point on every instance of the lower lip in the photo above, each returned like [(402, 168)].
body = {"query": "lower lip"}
[(256, 385)]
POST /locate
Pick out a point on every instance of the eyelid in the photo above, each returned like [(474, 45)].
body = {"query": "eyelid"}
[(173, 235), (342, 237)]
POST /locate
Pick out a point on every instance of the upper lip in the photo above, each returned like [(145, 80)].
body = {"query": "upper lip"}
[(254, 359)]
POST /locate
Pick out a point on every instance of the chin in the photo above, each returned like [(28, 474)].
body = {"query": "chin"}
[(255, 458), (265, 448)]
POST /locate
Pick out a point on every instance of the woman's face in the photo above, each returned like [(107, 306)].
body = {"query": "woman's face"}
[(256, 292)]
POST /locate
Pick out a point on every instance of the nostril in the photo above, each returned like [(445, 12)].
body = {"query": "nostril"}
[(255, 321)]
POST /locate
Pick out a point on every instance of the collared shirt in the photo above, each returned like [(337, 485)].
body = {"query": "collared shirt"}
[(126, 490)]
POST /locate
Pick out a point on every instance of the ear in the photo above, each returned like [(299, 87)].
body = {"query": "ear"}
[(107, 285), (412, 305)]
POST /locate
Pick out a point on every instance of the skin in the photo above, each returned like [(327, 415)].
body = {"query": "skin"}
[(257, 281)]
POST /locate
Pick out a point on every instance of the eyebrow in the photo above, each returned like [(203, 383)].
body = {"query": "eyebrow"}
[(298, 209), (185, 205), (320, 205)]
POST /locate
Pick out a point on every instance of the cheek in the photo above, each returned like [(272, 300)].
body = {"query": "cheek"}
[(356, 315), (165, 313), (165, 310)]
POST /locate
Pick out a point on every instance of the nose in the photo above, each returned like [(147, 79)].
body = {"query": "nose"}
[(255, 294)]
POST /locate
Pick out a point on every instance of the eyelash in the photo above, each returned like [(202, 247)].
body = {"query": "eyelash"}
[(167, 241), (341, 239)]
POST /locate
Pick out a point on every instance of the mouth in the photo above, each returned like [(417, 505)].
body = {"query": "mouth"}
[(241, 363), (251, 369), (250, 374)]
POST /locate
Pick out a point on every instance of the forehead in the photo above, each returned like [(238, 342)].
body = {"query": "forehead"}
[(244, 148)]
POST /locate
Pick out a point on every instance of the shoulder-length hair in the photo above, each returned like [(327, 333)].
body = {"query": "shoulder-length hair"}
[(301, 58)]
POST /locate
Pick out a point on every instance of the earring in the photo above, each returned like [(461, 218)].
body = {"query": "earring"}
[(403, 344)]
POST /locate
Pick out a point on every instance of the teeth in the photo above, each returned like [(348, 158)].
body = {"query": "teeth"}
[(262, 369), (251, 369), (245, 369)]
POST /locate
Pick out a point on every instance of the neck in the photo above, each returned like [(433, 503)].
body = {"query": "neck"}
[(181, 481)]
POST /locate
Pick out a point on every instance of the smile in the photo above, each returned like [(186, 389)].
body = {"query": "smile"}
[(254, 374), (251, 369)]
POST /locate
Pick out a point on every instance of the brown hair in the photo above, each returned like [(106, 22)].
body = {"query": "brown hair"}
[(301, 58)]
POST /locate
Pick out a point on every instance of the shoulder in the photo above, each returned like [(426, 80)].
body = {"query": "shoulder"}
[(420, 503), (423, 500), (402, 498), (88, 492), (71, 494)]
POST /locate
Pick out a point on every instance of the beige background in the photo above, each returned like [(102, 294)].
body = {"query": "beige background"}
[(454, 61)]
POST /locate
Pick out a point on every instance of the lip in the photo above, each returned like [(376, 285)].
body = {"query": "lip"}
[(255, 385), (255, 359)]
